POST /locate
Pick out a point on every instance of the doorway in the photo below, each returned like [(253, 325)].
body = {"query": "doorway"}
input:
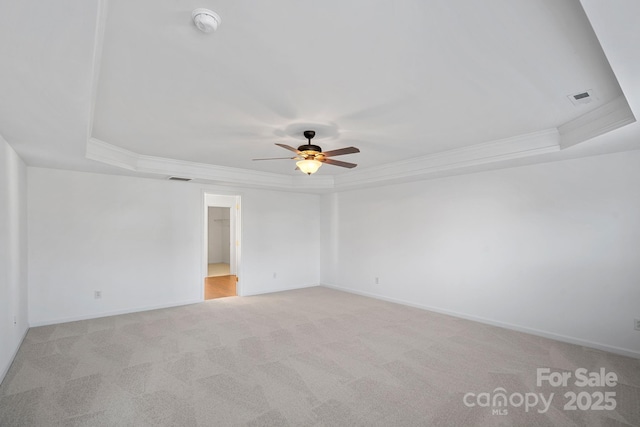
[(222, 246)]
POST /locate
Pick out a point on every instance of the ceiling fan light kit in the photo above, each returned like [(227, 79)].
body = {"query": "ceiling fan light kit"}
[(309, 166), (310, 157), (206, 20)]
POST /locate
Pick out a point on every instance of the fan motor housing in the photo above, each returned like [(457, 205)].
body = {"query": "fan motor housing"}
[(310, 147)]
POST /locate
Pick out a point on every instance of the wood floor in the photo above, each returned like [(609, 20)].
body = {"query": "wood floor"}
[(219, 287)]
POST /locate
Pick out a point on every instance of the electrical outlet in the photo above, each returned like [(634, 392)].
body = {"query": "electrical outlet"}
[(377, 280), (97, 294), (275, 275), (636, 324)]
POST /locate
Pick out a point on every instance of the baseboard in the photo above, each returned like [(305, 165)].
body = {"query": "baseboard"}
[(279, 289), (112, 313), (154, 307), (537, 332), (13, 356)]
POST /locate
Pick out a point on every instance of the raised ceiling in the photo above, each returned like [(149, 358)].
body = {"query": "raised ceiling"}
[(414, 84)]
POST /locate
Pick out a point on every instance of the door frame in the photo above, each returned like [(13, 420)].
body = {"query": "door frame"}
[(233, 202)]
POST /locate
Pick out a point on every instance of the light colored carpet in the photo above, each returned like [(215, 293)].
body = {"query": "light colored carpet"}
[(218, 269), (310, 357)]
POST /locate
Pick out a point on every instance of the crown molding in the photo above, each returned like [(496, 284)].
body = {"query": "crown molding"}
[(103, 152), (599, 121), (608, 117), (531, 144), (315, 182), (418, 168), (116, 156)]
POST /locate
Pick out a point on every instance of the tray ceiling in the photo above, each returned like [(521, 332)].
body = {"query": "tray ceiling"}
[(409, 83)]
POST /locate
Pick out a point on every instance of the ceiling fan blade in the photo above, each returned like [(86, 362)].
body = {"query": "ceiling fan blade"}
[(288, 147), (277, 158), (339, 163), (341, 151)]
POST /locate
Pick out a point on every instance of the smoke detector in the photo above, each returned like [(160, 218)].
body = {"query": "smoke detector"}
[(206, 20)]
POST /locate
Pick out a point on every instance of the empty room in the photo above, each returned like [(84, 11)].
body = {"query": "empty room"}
[(336, 213)]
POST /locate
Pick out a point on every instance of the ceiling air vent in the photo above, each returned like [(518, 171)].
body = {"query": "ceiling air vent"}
[(177, 178), (582, 97)]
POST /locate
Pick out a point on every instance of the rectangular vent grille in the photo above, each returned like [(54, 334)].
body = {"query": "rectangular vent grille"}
[(177, 178), (582, 97)]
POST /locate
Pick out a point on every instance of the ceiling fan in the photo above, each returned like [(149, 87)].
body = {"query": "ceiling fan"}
[(310, 157)]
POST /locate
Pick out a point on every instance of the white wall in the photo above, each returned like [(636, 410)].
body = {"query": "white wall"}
[(225, 241), (281, 237), (214, 248), (13, 254), (219, 235), (141, 241), (551, 248)]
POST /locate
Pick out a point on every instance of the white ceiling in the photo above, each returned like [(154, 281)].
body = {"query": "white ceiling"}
[(414, 84)]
